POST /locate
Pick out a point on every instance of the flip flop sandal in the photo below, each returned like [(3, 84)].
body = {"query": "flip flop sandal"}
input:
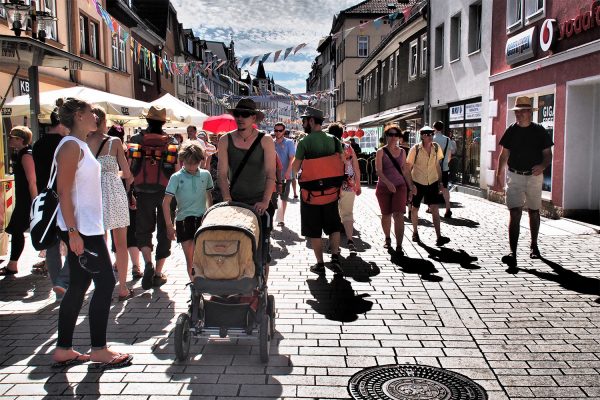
[(136, 273), (4, 271), (113, 364), (80, 359), (128, 296)]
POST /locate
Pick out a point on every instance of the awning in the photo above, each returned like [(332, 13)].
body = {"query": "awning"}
[(388, 116), (26, 52)]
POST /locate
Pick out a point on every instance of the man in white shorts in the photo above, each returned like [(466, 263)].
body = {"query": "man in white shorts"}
[(526, 149)]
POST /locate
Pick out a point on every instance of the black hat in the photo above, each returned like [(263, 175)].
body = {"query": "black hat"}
[(247, 104), (312, 112)]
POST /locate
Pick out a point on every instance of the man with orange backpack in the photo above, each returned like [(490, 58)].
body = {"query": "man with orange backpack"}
[(153, 159), (320, 155)]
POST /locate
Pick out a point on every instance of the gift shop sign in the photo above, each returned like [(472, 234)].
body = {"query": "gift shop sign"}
[(553, 31)]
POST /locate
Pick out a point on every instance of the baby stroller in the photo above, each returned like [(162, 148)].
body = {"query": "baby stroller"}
[(229, 293)]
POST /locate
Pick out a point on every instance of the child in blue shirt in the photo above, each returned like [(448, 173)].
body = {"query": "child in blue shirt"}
[(189, 186)]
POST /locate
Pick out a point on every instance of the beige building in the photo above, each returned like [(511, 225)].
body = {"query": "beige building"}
[(355, 35)]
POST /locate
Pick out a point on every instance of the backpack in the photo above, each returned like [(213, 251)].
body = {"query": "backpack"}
[(43, 213), (322, 178), (153, 160)]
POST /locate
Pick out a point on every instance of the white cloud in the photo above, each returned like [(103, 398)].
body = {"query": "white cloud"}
[(260, 27)]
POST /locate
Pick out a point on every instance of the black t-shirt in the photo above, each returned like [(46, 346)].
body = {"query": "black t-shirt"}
[(43, 154), (525, 145)]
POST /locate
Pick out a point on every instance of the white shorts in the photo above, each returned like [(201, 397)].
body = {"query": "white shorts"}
[(524, 190)]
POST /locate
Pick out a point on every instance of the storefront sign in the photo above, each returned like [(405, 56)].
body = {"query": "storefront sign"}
[(6, 112), (520, 47), (24, 86), (125, 110), (552, 31), (473, 111), (457, 113)]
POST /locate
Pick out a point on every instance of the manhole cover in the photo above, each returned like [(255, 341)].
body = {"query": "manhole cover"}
[(413, 382)]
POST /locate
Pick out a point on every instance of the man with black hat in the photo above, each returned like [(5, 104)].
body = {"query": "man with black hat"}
[(320, 155), (153, 158), (527, 150), (246, 168)]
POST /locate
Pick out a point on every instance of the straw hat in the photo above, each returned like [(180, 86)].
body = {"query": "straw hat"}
[(523, 103), (157, 113)]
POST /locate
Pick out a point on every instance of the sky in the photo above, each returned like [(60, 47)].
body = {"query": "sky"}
[(262, 26)]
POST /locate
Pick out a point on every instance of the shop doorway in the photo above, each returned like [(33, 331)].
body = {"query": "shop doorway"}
[(581, 198)]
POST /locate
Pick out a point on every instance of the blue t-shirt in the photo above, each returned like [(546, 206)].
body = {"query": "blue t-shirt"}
[(190, 192), (445, 143), (285, 150)]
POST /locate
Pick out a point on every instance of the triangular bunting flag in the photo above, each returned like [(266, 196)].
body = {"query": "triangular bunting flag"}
[(347, 32), (287, 52), (378, 22), (276, 56), (266, 57), (245, 62), (301, 45), (254, 60)]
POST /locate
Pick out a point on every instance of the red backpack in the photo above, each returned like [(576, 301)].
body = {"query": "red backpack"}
[(153, 161)]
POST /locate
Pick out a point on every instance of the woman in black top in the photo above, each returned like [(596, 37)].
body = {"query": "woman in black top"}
[(23, 167)]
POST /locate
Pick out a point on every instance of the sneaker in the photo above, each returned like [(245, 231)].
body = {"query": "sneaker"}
[(335, 264), (159, 280), (534, 252), (351, 246), (148, 275), (415, 237), (448, 214), (318, 268), (442, 240)]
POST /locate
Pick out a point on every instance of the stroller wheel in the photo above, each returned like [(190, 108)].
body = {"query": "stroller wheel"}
[(183, 337), (271, 312), (264, 338)]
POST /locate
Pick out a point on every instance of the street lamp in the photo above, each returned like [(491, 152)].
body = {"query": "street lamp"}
[(18, 13), (44, 20)]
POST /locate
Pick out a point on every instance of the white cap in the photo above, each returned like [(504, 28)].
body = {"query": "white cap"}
[(426, 128)]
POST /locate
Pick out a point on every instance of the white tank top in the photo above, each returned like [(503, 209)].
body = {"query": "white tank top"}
[(86, 192)]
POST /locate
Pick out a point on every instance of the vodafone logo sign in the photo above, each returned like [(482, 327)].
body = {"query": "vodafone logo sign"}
[(548, 34)]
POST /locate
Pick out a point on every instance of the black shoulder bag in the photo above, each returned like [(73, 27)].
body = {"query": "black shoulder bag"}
[(389, 154), (240, 167)]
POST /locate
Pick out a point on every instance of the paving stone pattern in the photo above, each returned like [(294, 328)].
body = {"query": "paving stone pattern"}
[(534, 334)]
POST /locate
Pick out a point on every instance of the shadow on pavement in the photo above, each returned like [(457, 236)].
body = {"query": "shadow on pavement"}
[(447, 255), (225, 367), (28, 289), (468, 223), (568, 279), (358, 269), (416, 266), (336, 299)]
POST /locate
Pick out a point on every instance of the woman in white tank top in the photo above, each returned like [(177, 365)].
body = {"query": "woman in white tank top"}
[(81, 225)]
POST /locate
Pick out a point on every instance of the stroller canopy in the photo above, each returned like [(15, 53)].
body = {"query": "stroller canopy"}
[(233, 217)]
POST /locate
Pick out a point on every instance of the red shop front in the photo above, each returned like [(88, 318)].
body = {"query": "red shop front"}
[(554, 58)]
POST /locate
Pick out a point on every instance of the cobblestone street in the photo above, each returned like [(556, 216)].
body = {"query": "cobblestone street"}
[(533, 334)]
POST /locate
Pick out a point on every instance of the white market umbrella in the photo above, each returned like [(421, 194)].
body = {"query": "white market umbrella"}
[(180, 112), (117, 107)]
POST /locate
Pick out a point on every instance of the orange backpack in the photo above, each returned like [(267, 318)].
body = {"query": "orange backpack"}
[(322, 178)]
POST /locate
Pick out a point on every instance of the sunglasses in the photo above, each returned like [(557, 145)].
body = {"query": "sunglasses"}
[(427, 134), (393, 134), (243, 114), (278, 130), (83, 261)]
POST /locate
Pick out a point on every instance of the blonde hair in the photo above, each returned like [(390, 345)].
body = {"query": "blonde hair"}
[(67, 109), (22, 132), (191, 152)]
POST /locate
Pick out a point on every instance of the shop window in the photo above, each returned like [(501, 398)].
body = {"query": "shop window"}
[(413, 64), (534, 10), (424, 59), (439, 46), (474, 27), (363, 46), (514, 15), (455, 37)]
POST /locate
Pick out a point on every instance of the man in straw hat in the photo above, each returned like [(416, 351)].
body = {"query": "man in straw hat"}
[(526, 149), (251, 182), (150, 191)]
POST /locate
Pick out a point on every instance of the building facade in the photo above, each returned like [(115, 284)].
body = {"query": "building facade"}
[(393, 79), (459, 81), (549, 50)]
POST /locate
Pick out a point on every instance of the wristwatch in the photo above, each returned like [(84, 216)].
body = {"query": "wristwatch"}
[(71, 229)]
